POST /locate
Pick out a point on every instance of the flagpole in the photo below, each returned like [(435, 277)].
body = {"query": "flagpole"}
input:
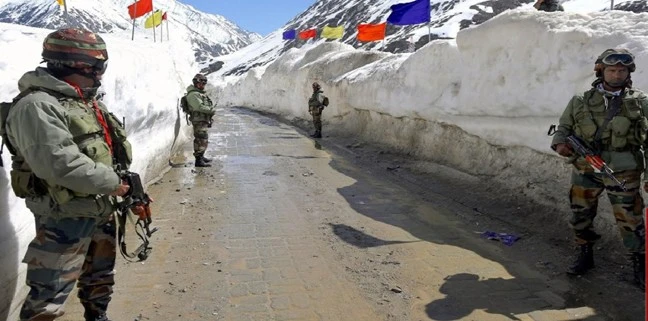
[(67, 17), (429, 31), (161, 30), (167, 28), (133, 34), (153, 19)]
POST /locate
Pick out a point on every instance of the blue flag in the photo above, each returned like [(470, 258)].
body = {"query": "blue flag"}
[(410, 13), (290, 34)]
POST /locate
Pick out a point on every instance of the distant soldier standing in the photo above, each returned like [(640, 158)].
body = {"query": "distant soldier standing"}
[(316, 104), (611, 119), (201, 110)]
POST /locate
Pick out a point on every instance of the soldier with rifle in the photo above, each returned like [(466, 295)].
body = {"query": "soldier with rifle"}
[(70, 164), (604, 132)]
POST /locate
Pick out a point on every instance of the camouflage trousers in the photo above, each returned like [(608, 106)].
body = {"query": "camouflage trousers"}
[(627, 207), (64, 251), (201, 137), (317, 119)]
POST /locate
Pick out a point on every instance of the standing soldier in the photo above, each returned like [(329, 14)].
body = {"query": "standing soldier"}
[(201, 111), (611, 119), (63, 140), (316, 104)]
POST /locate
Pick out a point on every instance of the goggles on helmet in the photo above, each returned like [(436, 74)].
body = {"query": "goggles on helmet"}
[(100, 67), (616, 58), (201, 81)]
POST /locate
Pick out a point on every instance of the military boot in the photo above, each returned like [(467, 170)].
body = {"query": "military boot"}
[(584, 262), (200, 162), (93, 317), (639, 267)]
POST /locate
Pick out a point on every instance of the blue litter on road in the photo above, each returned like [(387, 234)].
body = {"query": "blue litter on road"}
[(507, 239)]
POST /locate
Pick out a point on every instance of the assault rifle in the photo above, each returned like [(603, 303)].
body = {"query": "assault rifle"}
[(593, 159), (136, 201), (136, 197)]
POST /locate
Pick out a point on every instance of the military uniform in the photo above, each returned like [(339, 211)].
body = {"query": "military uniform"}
[(620, 139), (315, 108), (201, 111), (62, 140)]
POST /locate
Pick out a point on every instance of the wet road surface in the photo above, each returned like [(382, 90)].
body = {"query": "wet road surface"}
[(283, 227)]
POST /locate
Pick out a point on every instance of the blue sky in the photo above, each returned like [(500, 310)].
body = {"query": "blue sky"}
[(260, 16)]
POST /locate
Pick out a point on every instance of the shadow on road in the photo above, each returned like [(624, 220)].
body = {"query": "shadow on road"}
[(360, 239)]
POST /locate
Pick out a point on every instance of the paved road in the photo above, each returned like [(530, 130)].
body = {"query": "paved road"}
[(286, 228)]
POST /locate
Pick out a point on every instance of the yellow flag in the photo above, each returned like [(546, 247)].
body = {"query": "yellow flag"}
[(332, 32), (61, 2), (153, 20)]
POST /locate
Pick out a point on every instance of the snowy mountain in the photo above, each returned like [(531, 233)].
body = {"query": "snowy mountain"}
[(448, 17), (209, 35)]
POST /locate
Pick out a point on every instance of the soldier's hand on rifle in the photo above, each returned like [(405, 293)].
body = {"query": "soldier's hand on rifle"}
[(564, 150), (121, 190)]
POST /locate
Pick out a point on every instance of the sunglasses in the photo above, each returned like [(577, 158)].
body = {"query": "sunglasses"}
[(614, 59)]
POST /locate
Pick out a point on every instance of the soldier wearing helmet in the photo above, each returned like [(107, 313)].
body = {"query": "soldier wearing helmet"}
[(201, 110), (316, 104), (611, 119), (63, 141)]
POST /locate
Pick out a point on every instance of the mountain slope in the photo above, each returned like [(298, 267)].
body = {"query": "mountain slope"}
[(448, 17), (210, 35)]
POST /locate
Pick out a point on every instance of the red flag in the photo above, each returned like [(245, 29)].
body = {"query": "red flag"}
[(140, 8), (371, 32), (307, 34), (164, 17)]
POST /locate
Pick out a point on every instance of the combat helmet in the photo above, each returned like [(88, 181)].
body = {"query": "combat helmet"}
[(69, 50), (199, 78), (612, 57)]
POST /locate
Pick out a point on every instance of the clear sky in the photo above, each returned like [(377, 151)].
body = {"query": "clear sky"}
[(260, 16)]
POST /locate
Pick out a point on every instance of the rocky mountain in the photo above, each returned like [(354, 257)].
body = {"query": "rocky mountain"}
[(210, 35), (448, 17)]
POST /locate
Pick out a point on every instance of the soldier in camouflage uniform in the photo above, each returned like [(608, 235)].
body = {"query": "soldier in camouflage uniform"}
[(315, 107), (62, 140), (611, 119), (548, 5), (201, 111)]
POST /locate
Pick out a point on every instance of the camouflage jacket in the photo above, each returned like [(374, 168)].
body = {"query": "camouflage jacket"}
[(63, 165), (201, 107), (316, 100), (624, 137)]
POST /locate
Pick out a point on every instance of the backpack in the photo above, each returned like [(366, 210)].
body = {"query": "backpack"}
[(325, 101), (184, 105), (4, 113)]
